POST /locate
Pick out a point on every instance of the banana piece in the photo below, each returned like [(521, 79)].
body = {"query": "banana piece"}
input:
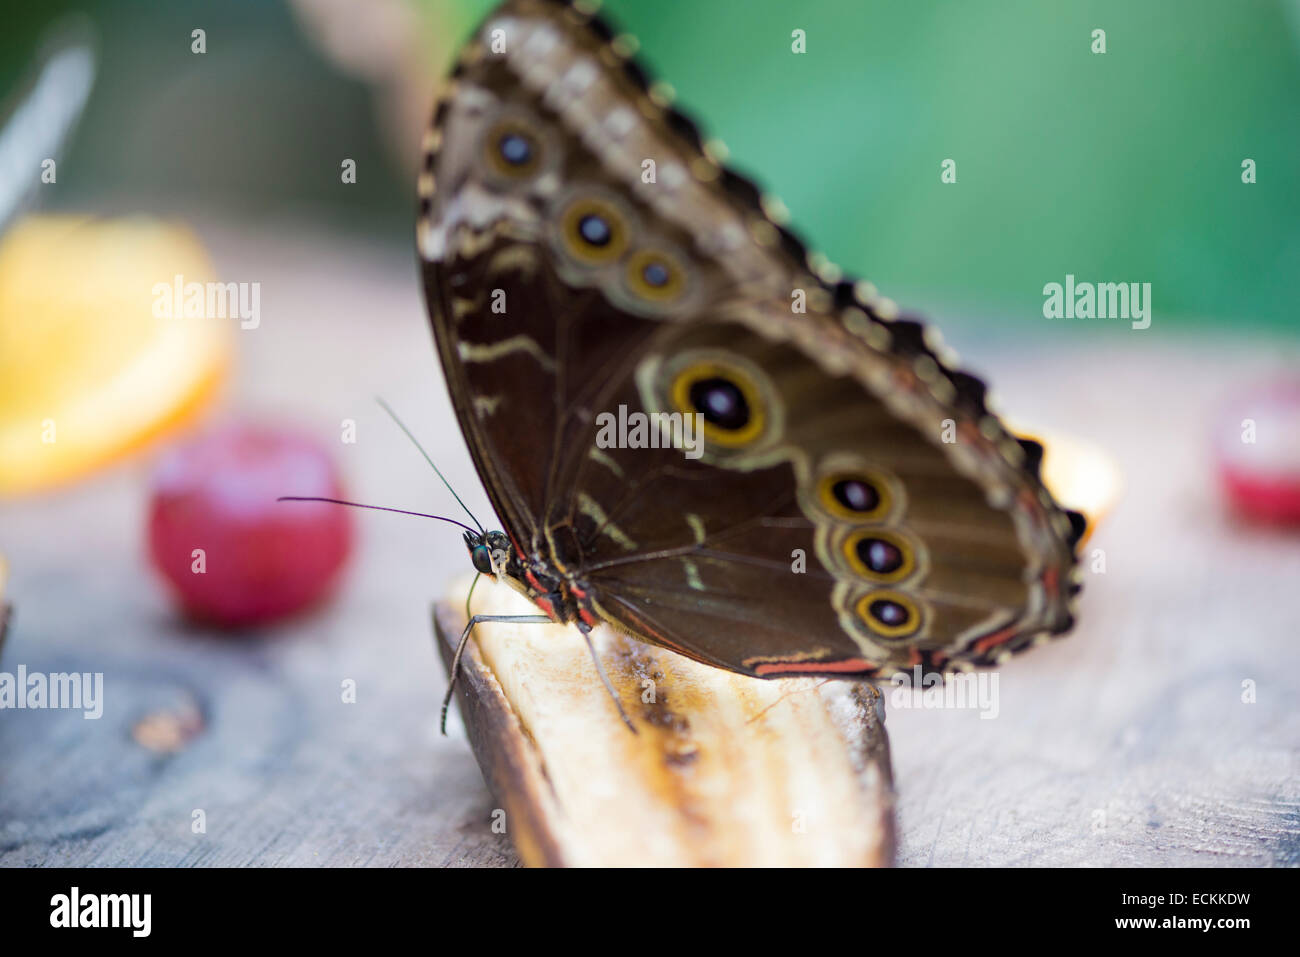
[(724, 770)]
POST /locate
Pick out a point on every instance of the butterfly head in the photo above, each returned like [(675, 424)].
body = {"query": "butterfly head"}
[(489, 552)]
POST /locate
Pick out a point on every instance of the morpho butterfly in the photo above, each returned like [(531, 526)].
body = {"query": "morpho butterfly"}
[(854, 508)]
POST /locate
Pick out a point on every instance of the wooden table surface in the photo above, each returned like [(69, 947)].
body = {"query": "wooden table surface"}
[(1127, 743)]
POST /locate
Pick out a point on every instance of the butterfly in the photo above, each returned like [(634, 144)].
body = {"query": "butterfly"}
[(853, 508)]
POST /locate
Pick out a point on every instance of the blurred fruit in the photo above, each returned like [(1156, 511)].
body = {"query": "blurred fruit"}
[(1258, 449), (232, 553), (87, 373), (1080, 475)]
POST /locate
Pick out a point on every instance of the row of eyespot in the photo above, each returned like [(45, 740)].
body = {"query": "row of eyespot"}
[(874, 554), (592, 230), (733, 417)]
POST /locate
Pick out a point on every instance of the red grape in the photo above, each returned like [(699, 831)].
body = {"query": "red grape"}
[(232, 553)]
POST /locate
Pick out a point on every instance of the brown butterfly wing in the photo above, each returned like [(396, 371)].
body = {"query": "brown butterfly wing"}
[(541, 333), (524, 333), (745, 558)]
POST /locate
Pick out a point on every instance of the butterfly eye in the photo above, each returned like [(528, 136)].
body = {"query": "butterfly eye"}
[(655, 276), (879, 555), (512, 151), (889, 614), (729, 402), (593, 232), (857, 497), (481, 559)]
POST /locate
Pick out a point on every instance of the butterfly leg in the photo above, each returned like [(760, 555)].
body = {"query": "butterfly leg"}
[(600, 669), (464, 640)]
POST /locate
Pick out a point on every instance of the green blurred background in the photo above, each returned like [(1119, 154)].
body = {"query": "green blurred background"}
[(1117, 167)]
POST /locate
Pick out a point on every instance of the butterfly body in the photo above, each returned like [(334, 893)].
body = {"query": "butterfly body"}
[(853, 508)]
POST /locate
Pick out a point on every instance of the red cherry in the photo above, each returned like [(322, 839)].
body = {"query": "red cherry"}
[(232, 553)]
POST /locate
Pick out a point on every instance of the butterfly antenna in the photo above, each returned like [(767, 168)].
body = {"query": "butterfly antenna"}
[(401, 425), (377, 508)]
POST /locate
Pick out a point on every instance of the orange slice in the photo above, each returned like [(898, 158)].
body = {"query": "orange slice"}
[(87, 371)]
